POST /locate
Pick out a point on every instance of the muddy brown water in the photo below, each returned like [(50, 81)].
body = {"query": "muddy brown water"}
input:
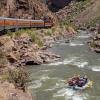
[(76, 58)]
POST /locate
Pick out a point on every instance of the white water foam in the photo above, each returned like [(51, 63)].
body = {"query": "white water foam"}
[(38, 83), (41, 71), (76, 44), (74, 61), (96, 69), (70, 94), (58, 42), (35, 84), (80, 64), (56, 63), (66, 61), (64, 92), (44, 78), (83, 36), (60, 84), (51, 89), (78, 97), (44, 70)]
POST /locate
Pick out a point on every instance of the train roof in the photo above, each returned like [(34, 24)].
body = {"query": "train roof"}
[(5, 18)]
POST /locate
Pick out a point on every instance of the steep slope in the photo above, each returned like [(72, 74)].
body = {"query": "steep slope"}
[(69, 12), (91, 13), (80, 13), (25, 9)]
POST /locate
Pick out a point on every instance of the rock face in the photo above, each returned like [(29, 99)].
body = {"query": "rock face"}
[(95, 42), (6, 42), (92, 12), (79, 13), (20, 51), (25, 9), (8, 92)]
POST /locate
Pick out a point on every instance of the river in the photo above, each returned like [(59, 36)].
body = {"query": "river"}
[(76, 58)]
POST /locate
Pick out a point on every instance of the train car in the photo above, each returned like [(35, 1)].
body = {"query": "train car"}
[(23, 23), (1, 24), (37, 23), (13, 23), (9, 23)]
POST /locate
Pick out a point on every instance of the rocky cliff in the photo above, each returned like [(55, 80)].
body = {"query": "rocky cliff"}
[(91, 12), (80, 12), (31, 9)]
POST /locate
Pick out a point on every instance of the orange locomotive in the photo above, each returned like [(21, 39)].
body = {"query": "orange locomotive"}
[(13, 23)]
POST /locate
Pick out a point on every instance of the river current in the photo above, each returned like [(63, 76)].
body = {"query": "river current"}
[(76, 58)]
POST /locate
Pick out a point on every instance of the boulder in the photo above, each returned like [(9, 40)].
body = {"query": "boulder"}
[(48, 57), (33, 58), (11, 57), (7, 42)]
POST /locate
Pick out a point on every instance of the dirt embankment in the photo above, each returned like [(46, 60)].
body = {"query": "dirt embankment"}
[(8, 92), (25, 9), (91, 13), (80, 13), (94, 42)]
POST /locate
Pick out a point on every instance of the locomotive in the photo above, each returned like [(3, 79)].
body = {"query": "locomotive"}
[(13, 23)]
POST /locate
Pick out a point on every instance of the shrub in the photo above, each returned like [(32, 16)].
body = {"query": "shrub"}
[(48, 33), (9, 33), (17, 76), (3, 59), (39, 42), (33, 36)]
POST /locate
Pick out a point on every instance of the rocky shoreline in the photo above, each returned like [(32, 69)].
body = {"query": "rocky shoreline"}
[(19, 51), (94, 42)]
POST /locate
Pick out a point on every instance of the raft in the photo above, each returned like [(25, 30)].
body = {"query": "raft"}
[(87, 85)]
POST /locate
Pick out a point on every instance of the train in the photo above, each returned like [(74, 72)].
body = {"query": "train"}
[(16, 24)]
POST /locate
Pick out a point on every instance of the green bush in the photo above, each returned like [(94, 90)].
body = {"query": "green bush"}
[(3, 59), (9, 33), (17, 76), (33, 36), (48, 33), (39, 42)]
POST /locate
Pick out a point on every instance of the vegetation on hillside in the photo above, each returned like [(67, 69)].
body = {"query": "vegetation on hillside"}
[(68, 13)]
